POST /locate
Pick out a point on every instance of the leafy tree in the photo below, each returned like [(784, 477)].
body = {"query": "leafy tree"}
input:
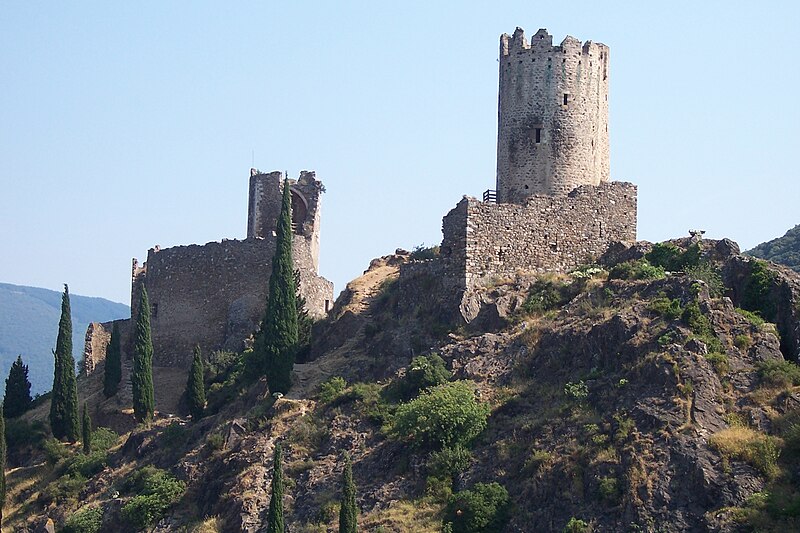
[(348, 512), (87, 430), (142, 375), (441, 417), (3, 453), (277, 343), (425, 371), (18, 390), (64, 400), (195, 388), (275, 522), (113, 368)]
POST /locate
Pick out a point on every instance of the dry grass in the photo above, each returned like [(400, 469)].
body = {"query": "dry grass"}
[(405, 516), (744, 444)]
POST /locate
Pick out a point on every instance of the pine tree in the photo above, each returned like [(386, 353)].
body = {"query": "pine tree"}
[(195, 389), (142, 375), (348, 512), (113, 368), (64, 400), (3, 453), (275, 522), (277, 342), (18, 390), (87, 430)]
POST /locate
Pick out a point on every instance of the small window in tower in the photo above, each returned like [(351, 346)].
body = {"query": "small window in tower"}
[(538, 135), (566, 98)]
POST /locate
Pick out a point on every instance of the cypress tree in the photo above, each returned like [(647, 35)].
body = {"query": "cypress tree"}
[(195, 389), (348, 512), (3, 453), (113, 369), (304, 322), (87, 431), (64, 401), (275, 522), (18, 390), (278, 339), (142, 375)]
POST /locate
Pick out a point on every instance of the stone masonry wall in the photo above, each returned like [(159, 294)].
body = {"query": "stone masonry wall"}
[(549, 233), (552, 116), (98, 335), (214, 295)]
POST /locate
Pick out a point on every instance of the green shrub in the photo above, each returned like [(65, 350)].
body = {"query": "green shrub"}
[(576, 525), (86, 520), (670, 309), (54, 451), (422, 252), (710, 275), (443, 416), (719, 361), (693, 317), (779, 373), (609, 490), (743, 341), (331, 389), (156, 490), (483, 508), (547, 294), (668, 256), (87, 465), (215, 441), (22, 433), (449, 462), (424, 371), (751, 317), (638, 269), (756, 295), (63, 489), (104, 438), (577, 390), (174, 435)]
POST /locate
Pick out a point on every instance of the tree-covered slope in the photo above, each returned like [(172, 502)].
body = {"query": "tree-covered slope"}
[(784, 250), (29, 325)]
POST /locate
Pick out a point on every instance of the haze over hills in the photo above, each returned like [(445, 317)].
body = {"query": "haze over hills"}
[(784, 250), (29, 325)]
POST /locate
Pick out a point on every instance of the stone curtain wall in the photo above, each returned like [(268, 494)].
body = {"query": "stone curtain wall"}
[(572, 147), (214, 295), (98, 335), (549, 233)]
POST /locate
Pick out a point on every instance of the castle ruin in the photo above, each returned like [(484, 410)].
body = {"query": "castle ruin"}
[(214, 295), (554, 207)]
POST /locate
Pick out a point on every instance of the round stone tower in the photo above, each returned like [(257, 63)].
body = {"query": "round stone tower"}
[(552, 133)]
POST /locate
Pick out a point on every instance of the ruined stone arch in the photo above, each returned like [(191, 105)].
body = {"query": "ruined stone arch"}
[(299, 210)]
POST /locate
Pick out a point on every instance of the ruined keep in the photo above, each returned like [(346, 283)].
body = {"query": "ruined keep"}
[(554, 207), (552, 117), (214, 295)]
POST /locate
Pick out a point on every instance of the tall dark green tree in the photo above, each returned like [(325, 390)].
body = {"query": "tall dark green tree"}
[(277, 343), (113, 368), (3, 453), (86, 432), (348, 512), (304, 323), (64, 400), (275, 523), (195, 388), (142, 374), (18, 390)]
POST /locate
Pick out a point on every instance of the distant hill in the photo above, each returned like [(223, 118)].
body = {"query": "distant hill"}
[(29, 325), (784, 250)]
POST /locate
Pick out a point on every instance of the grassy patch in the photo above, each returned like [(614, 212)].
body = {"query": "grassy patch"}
[(744, 444)]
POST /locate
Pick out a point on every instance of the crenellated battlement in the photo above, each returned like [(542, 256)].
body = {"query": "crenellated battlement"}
[(542, 42)]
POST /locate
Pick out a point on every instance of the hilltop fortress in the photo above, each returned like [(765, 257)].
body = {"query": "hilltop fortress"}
[(553, 209), (214, 295)]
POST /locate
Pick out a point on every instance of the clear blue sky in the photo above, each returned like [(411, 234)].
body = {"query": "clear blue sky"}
[(129, 124)]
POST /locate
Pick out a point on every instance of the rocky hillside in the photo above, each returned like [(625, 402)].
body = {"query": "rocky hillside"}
[(654, 391), (29, 326), (784, 250)]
